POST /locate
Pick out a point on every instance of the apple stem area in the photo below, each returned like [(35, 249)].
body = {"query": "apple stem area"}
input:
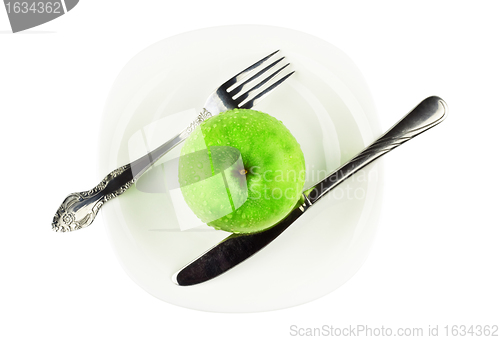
[(243, 172)]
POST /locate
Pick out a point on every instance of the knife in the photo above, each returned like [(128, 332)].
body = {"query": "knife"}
[(238, 247)]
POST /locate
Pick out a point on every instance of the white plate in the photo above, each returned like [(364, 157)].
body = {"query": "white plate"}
[(327, 107)]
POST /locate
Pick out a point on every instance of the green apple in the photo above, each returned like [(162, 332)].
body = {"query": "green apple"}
[(241, 171)]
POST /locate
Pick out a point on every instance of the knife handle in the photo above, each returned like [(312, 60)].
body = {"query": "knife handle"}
[(430, 112)]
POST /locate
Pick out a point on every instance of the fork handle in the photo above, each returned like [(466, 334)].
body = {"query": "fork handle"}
[(79, 209)]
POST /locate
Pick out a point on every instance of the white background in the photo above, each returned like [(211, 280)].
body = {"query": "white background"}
[(435, 259)]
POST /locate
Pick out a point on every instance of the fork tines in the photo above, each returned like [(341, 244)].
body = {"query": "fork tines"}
[(244, 80)]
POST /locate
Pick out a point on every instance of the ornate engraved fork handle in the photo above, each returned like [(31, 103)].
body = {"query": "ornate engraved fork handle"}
[(79, 209)]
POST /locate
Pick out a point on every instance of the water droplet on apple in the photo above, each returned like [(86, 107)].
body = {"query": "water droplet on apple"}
[(199, 165)]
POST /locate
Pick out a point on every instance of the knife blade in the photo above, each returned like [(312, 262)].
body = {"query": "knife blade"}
[(238, 247)]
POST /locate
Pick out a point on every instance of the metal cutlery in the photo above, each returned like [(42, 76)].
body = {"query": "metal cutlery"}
[(79, 209), (239, 247)]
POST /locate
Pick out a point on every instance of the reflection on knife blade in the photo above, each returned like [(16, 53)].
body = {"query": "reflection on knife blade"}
[(239, 247), (222, 257)]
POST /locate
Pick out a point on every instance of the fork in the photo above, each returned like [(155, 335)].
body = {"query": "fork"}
[(79, 210)]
